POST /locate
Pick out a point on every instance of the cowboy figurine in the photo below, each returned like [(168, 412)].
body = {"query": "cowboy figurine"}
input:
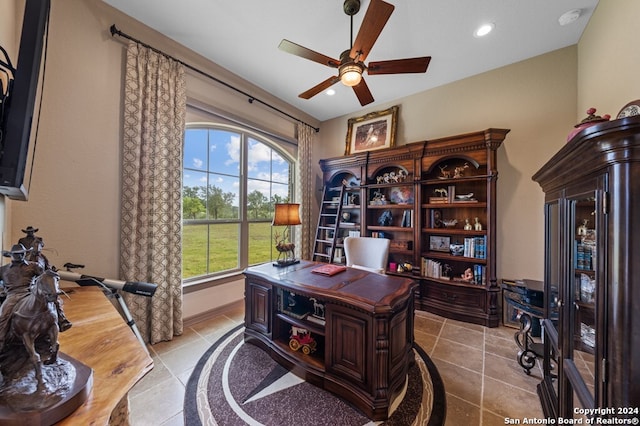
[(17, 277), (34, 254), (28, 240)]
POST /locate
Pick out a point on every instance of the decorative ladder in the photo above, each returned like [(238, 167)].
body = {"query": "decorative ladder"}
[(328, 221)]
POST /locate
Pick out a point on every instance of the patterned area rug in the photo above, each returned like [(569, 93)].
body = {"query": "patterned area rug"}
[(237, 384)]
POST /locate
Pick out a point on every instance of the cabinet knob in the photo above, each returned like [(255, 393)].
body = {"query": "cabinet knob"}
[(559, 303), (449, 296)]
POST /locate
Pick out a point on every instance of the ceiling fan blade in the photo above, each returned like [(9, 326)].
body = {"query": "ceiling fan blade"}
[(363, 93), (373, 22), (319, 87), (400, 66), (303, 52)]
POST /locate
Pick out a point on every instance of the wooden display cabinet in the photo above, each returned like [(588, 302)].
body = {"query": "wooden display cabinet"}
[(592, 193), (458, 185)]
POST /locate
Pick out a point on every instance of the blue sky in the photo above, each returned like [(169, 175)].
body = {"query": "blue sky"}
[(223, 150)]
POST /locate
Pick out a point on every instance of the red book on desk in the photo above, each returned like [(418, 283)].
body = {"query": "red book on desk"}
[(329, 269)]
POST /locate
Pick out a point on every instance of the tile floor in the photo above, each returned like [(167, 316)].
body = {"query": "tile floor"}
[(482, 378)]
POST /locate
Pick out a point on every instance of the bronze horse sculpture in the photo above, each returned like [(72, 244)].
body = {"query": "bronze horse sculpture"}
[(34, 322)]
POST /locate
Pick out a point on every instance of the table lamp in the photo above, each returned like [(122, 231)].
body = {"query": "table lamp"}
[(286, 214)]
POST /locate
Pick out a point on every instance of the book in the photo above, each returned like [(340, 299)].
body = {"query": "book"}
[(438, 200), (329, 269), (407, 219), (480, 247), (451, 193)]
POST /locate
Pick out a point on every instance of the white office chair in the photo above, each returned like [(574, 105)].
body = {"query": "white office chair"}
[(370, 254)]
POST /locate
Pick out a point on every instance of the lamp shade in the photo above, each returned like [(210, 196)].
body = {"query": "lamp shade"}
[(286, 214)]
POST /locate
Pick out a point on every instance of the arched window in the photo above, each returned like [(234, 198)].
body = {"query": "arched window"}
[(232, 178)]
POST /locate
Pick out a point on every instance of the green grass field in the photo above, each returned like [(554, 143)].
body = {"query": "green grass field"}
[(224, 247)]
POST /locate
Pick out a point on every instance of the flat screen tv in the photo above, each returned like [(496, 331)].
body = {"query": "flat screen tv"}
[(20, 102)]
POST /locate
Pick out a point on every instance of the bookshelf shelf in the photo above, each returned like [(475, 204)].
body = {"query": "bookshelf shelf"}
[(390, 228), (391, 206), (455, 205), (453, 231), (452, 258)]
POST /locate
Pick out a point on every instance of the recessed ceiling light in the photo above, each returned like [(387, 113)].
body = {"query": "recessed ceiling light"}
[(484, 29), (570, 16), (330, 92)]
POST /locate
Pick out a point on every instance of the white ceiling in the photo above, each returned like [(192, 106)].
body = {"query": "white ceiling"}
[(243, 37)]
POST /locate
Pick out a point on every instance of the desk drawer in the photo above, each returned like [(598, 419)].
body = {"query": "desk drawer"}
[(454, 295)]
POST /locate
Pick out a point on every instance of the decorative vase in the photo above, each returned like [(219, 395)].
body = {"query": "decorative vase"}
[(587, 122)]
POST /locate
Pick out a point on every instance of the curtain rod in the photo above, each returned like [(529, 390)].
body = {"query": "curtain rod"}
[(115, 31)]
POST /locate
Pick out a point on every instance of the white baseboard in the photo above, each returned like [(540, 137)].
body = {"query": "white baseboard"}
[(220, 310)]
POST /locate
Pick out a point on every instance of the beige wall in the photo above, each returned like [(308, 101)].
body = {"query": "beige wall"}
[(608, 60), (74, 195)]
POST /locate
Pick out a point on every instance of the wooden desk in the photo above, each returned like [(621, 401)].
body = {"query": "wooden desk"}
[(364, 348), (101, 339)]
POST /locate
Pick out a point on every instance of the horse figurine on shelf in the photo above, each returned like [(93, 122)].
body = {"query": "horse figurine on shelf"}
[(458, 171), (34, 322), (441, 192)]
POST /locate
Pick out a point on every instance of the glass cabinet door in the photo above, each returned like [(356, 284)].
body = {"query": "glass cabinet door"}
[(553, 276), (581, 298)]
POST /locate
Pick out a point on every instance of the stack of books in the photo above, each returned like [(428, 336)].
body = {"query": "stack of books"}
[(475, 247)]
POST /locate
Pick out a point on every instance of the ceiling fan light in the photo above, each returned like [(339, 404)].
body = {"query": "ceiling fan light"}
[(350, 74)]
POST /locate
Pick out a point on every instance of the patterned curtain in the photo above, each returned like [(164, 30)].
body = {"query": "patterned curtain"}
[(151, 209), (304, 195)]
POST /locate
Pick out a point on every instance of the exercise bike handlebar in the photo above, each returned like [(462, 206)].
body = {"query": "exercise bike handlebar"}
[(134, 287)]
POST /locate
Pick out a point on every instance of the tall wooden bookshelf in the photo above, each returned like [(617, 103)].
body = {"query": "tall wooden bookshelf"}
[(341, 209), (421, 196)]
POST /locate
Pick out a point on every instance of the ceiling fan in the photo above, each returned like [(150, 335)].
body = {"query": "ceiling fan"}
[(352, 65)]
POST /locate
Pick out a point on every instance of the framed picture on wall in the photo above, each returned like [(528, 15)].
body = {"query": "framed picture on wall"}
[(373, 131)]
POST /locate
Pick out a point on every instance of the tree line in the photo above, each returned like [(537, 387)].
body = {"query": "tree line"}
[(212, 202)]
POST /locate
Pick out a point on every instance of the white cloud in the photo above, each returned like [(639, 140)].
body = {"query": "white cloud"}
[(275, 176), (197, 163), (233, 150)]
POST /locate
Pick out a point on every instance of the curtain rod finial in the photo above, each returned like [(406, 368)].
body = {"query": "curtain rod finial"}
[(114, 30)]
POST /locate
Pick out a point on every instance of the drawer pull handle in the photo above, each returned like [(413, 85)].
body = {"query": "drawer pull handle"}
[(450, 297)]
